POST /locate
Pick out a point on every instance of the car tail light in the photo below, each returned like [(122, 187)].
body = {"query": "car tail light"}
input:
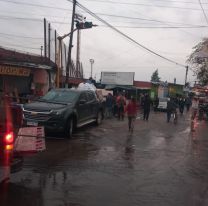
[(9, 147), (9, 138)]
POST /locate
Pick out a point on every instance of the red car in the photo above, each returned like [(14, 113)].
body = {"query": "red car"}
[(9, 122)]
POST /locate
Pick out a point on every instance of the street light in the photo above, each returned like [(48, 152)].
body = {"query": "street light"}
[(92, 62), (59, 56)]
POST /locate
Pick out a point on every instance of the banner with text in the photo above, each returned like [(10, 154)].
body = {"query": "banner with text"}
[(117, 78)]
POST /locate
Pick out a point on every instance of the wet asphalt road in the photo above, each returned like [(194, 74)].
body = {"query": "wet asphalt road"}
[(160, 164)]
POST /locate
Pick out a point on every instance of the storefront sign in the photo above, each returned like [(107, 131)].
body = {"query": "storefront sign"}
[(15, 71)]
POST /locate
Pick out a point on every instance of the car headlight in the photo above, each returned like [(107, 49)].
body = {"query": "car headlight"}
[(57, 112)]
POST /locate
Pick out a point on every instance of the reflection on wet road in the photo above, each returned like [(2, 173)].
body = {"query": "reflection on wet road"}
[(160, 164)]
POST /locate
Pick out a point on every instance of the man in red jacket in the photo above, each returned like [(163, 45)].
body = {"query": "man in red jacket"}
[(121, 102), (131, 110)]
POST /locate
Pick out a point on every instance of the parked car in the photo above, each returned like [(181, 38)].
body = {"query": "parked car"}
[(63, 110), (10, 161), (162, 106)]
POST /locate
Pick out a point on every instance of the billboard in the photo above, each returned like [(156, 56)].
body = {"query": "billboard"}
[(118, 78)]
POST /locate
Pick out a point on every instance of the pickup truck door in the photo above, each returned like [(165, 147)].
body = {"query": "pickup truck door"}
[(93, 105), (82, 108)]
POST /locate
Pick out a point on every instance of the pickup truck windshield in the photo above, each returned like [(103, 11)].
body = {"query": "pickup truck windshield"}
[(60, 96)]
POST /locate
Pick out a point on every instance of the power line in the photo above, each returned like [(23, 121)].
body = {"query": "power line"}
[(59, 8), (126, 36), (167, 23), (110, 15), (118, 26), (8, 41), (158, 27), (35, 14), (27, 19), (182, 30), (186, 2), (205, 16), (24, 47), (141, 67), (59, 22), (19, 36), (35, 5), (104, 14), (28, 43), (60, 25), (146, 5), (18, 50), (19, 18), (165, 1), (38, 5), (144, 19)]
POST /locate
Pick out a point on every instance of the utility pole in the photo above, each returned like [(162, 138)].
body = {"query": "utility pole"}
[(49, 41), (55, 45), (45, 44), (70, 45), (186, 75), (92, 62), (59, 62), (60, 57), (41, 51), (78, 53)]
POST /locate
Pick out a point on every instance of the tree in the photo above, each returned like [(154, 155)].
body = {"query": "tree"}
[(199, 61), (155, 76)]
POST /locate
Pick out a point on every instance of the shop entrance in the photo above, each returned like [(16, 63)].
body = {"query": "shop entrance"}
[(10, 83)]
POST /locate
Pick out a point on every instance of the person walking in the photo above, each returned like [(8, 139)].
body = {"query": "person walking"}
[(115, 108), (121, 102), (171, 107), (188, 103), (147, 104), (181, 104), (194, 111), (142, 101), (131, 110), (109, 105), (156, 103), (195, 106)]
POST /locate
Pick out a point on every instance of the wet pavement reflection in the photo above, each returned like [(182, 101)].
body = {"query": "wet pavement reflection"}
[(158, 164)]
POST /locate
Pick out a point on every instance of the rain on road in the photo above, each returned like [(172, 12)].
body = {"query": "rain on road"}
[(160, 164)]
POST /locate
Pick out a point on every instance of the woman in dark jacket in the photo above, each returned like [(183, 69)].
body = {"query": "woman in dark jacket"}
[(147, 104)]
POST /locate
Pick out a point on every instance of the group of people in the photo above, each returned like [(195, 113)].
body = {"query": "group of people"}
[(180, 103), (118, 106), (115, 106)]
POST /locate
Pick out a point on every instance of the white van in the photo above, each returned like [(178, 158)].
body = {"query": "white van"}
[(162, 104)]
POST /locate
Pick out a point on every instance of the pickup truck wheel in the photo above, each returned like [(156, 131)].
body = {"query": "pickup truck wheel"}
[(69, 128), (99, 118)]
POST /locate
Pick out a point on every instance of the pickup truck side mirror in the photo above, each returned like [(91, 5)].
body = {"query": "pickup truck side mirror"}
[(82, 101)]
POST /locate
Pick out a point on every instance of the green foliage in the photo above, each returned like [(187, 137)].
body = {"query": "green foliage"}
[(155, 76), (199, 61)]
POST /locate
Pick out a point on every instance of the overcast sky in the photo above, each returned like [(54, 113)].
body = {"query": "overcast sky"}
[(110, 50)]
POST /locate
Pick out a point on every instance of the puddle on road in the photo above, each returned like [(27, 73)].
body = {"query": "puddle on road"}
[(99, 169), (186, 131)]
